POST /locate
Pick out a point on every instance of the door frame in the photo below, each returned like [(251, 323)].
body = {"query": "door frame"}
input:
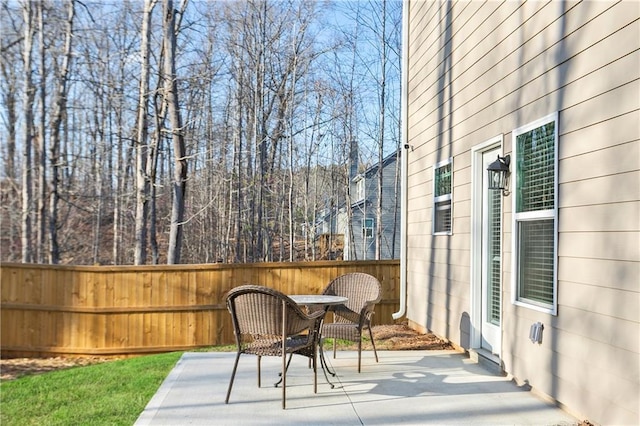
[(477, 171)]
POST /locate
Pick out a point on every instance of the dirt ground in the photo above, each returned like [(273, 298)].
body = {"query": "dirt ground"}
[(387, 337)]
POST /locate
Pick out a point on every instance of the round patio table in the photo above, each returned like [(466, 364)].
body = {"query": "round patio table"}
[(324, 301), (318, 299)]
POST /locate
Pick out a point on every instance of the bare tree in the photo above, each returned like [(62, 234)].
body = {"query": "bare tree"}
[(41, 145), (60, 101), (10, 78), (9, 43), (381, 132), (121, 81), (244, 93), (142, 151), (170, 28), (27, 114), (160, 108)]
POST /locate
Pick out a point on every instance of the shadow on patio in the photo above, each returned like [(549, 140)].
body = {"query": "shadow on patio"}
[(405, 387)]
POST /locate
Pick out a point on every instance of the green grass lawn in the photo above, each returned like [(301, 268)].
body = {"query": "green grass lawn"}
[(112, 393)]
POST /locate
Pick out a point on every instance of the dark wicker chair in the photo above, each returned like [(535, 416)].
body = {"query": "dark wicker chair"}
[(268, 323), (349, 320)]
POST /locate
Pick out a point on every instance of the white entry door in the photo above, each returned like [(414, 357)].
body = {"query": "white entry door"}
[(490, 259)]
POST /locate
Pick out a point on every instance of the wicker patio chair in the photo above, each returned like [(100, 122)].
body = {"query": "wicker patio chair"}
[(268, 323), (349, 320)]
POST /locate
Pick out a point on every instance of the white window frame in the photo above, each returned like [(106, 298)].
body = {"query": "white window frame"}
[(534, 215), (367, 231), (442, 198), (360, 188)]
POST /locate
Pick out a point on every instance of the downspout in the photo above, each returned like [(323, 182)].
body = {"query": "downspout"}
[(404, 163)]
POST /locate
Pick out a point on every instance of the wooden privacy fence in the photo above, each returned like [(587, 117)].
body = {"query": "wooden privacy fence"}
[(125, 310)]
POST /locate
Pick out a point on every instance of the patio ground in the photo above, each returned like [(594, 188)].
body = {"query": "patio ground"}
[(418, 370), (417, 387)]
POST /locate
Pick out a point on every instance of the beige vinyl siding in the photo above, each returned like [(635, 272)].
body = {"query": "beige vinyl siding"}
[(606, 189), (480, 69), (601, 218), (621, 246), (603, 394), (595, 378), (624, 308), (600, 275), (616, 159), (526, 69), (616, 130)]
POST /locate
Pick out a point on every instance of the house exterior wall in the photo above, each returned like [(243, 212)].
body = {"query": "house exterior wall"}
[(477, 70), (366, 208)]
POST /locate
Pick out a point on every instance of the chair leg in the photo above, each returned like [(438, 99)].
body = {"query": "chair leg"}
[(287, 367), (373, 343), (259, 381), (284, 379), (359, 352), (233, 375), (314, 361)]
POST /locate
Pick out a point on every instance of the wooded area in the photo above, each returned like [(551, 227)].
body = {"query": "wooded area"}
[(175, 131)]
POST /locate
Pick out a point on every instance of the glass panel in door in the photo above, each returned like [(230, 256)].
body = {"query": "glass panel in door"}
[(491, 260)]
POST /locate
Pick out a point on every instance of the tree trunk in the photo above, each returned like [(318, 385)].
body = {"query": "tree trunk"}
[(173, 105), (152, 170), (10, 101), (383, 80), (10, 206), (41, 148), (119, 180), (27, 104), (239, 146), (60, 106), (142, 180)]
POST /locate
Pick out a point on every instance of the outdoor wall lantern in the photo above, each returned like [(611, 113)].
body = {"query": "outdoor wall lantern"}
[(499, 174)]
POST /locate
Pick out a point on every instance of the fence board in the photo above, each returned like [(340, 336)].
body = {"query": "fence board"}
[(121, 310)]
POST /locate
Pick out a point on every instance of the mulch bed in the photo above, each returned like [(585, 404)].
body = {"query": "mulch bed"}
[(13, 368), (400, 337)]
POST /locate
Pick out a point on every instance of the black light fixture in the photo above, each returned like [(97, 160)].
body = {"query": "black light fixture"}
[(499, 174)]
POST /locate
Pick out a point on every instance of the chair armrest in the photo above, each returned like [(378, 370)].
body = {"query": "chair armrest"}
[(367, 312), (316, 314)]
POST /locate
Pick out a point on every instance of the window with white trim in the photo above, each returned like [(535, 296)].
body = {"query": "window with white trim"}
[(359, 189), (442, 185), (535, 213), (367, 228)]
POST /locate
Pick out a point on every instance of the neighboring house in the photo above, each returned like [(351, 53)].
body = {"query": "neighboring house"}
[(329, 237), (544, 282), (364, 206), (358, 242)]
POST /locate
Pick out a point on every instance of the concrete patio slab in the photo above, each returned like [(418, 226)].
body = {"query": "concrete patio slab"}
[(404, 388)]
